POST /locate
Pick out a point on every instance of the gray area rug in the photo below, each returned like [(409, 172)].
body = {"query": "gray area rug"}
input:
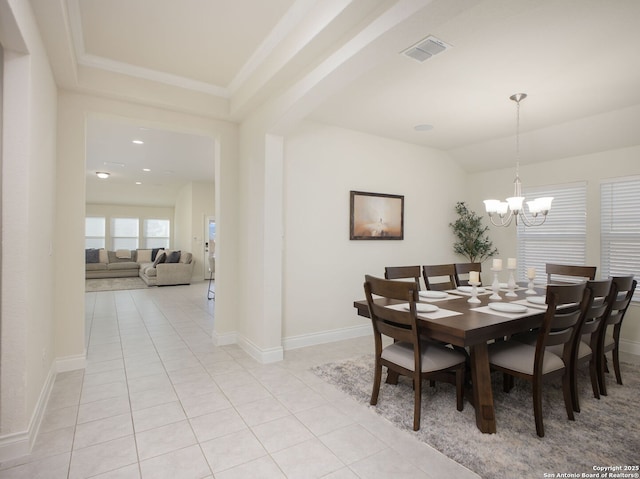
[(114, 284), (605, 432)]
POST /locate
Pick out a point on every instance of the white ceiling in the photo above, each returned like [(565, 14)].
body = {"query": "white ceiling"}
[(578, 60)]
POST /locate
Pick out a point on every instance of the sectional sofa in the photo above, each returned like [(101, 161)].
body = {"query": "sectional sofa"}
[(156, 267)]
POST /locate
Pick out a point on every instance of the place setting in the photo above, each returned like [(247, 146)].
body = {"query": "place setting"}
[(426, 310)]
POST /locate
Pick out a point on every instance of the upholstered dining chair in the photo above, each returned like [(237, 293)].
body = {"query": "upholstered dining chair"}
[(403, 272), (565, 306), (569, 273), (624, 287), (465, 269), (408, 355), (433, 276)]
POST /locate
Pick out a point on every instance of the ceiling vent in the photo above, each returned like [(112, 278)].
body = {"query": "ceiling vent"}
[(426, 48)]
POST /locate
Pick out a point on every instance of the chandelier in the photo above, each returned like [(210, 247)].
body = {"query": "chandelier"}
[(502, 213)]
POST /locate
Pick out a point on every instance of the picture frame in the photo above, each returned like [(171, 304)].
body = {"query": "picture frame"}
[(376, 216)]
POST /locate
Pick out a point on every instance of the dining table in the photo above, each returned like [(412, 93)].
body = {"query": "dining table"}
[(474, 325)]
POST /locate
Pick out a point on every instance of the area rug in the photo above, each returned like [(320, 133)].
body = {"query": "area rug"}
[(113, 284), (605, 432)]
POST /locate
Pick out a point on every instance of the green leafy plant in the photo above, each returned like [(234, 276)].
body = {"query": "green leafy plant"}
[(472, 240)]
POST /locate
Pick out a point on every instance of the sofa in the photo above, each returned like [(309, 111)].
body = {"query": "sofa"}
[(167, 267), (155, 266)]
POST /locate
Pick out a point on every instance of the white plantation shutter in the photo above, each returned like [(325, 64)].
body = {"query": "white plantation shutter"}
[(620, 228), (562, 238)]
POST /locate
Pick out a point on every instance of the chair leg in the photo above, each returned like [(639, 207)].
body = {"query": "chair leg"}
[(211, 294), (567, 393), (417, 386), (573, 385), (507, 382), (601, 379), (377, 377), (616, 364), (537, 406), (594, 378), (460, 388)]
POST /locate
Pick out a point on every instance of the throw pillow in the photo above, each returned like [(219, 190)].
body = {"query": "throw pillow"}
[(173, 257), (154, 253), (91, 255), (144, 256), (160, 258)]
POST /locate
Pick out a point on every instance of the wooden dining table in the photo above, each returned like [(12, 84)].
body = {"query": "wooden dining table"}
[(474, 329)]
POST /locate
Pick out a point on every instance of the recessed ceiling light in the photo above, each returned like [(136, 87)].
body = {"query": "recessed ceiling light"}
[(138, 142), (103, 175), (138, 182), (146, 169), (423, 127)]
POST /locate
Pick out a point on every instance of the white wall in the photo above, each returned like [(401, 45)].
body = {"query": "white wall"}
[(28, 221), (590, 168), (323, 269)]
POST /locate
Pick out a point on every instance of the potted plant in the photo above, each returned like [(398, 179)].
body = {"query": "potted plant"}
[(472, 240)]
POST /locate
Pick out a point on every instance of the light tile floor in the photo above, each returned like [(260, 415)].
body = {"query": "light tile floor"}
[(159, 400)]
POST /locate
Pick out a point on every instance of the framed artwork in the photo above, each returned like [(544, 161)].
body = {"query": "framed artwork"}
[(376, 216)]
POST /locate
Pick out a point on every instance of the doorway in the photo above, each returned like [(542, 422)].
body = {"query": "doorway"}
[(210, 247)]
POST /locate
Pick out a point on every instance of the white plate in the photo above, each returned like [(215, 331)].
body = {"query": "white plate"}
[(508, 307), (432, 294), (537, 299), (423, 308), (469, 289)]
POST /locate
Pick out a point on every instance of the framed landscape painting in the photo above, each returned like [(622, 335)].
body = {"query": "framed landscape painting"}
[(376, 216)]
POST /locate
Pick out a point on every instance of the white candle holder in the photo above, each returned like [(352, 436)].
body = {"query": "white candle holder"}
[(495, 286), (511, 285), (530, 289), (474, 292)]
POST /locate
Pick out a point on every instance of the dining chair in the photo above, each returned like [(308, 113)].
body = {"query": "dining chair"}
[(609, 340), (408, 355), (439, 271), (565, 306), (403, 272), (586, 347), (569, 272), (465, 269)]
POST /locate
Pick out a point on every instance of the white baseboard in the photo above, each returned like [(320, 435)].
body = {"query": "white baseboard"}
[(631, 347), (224, 339), (263, 356), (313, 339), (19, 444), (71, 363)]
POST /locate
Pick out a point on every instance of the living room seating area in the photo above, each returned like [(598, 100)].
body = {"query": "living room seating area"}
[(156, 267)]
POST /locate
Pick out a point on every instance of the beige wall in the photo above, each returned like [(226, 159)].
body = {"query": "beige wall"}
[(322, 165), (590, 168), (28, 222)]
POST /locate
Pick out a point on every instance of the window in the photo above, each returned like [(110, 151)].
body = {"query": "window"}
[(562, 238), (156, 233), (94, 229), (124, 233), (620, 228)]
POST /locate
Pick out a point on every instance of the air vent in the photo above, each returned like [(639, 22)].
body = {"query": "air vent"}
[(426, 48)]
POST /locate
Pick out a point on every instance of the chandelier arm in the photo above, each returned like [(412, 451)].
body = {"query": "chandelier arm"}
[(503, 221)]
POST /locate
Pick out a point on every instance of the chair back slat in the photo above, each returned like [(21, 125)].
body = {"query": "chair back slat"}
[(403, 272), (625, 288), (465, 269), (398, 324), (569, 273), (432, 272), (565, 307), (601, 297)]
